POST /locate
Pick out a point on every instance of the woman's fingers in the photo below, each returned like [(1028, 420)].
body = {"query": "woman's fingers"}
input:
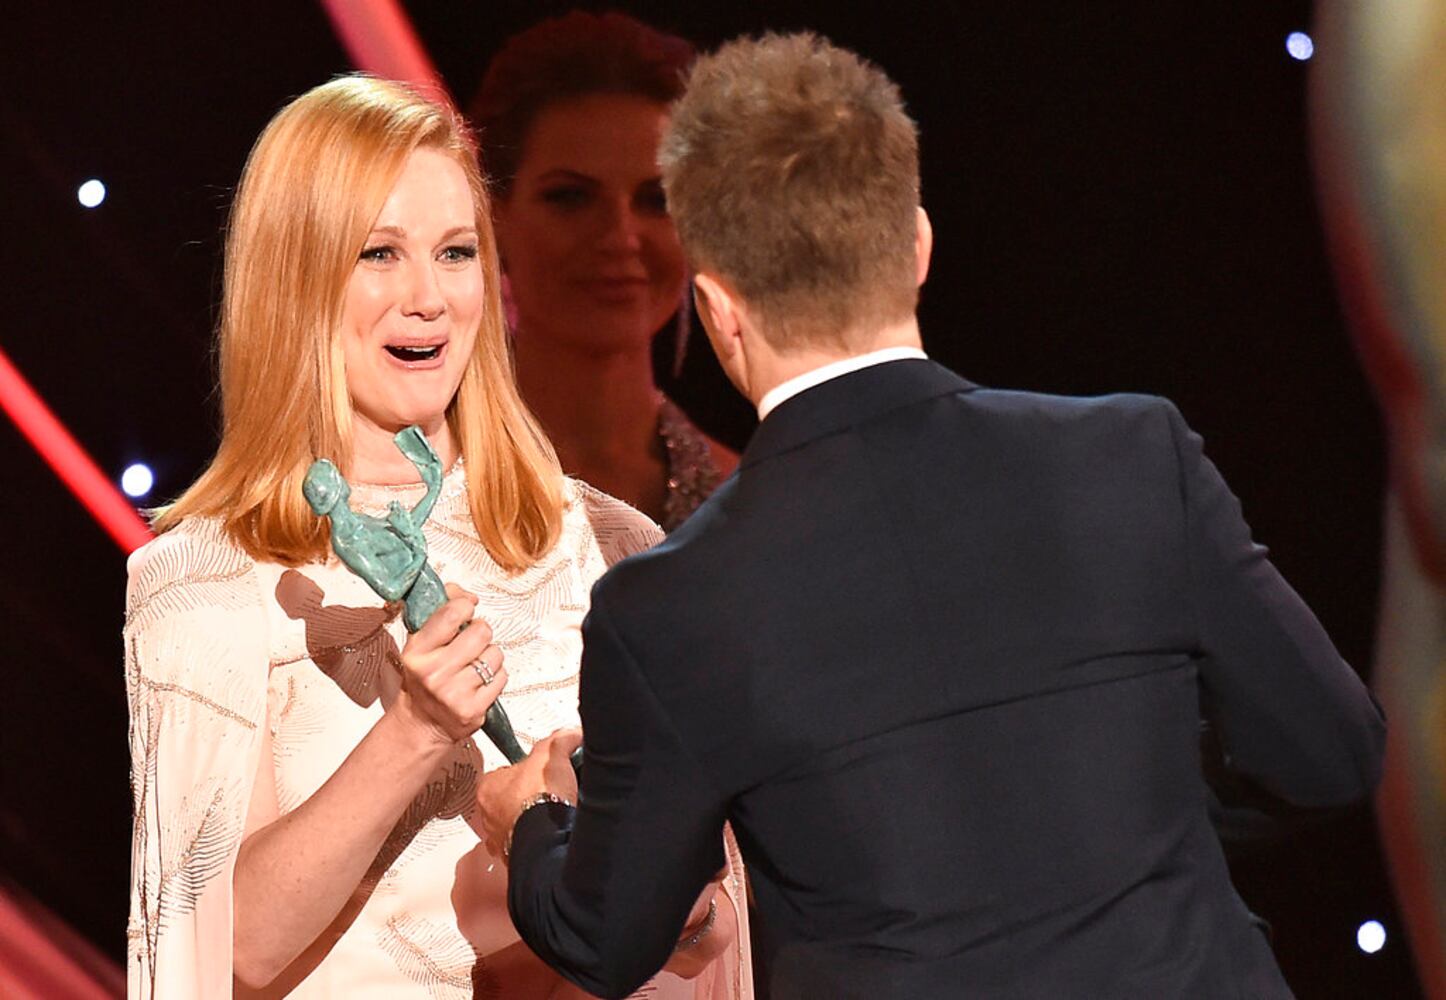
[(486, 694), (446, 621), (481, 670), (453, 668), (467, 694), (454, 701)]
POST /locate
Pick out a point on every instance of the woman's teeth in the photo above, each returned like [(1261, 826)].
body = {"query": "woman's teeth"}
[(413, 353)]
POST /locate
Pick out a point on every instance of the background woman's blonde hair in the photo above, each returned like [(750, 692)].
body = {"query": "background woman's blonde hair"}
[(310, 192)]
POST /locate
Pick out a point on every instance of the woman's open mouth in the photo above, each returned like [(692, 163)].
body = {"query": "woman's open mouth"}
[(416, 354)]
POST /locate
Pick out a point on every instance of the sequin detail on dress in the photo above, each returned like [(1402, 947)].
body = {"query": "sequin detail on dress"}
[(692, 476)]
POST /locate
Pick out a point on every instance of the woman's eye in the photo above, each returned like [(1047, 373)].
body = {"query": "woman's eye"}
[(565, 197), (460, 253), (378, 254), (650, 199)]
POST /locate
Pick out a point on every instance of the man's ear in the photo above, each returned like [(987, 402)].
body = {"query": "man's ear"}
[(725, 319), (718, 311), (923, 245)]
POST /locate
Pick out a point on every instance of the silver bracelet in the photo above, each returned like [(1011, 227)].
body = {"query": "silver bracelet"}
[(691, 941), (535, 800)]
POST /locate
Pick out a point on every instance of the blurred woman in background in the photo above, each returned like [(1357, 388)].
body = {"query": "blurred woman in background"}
[(569, 115)]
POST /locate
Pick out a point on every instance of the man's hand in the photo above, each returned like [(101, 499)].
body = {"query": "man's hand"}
[(501, 794)]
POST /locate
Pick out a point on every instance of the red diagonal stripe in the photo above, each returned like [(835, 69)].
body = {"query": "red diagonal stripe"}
[(75, 468), (380, 40)]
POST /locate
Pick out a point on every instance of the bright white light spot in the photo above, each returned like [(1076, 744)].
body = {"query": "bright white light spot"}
[(1371, 937), (137, 480), (1299, 45), (91, 193)]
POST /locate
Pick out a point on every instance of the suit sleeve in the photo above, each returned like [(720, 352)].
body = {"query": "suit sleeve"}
[(601, 892), (1289, 712)]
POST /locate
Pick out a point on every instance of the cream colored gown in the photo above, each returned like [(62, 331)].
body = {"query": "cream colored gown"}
[(240, 671)]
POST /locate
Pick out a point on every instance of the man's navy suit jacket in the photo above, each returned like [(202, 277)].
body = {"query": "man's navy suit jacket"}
[(940, 655)]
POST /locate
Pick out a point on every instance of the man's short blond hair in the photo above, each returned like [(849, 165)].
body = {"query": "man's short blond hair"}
[(792, 172)]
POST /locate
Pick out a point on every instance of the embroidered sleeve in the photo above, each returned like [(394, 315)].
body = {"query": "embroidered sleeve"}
[(196, 663), (621, 530)]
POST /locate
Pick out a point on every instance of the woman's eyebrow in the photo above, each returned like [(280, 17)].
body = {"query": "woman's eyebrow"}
[(563, 173), (401, 233)]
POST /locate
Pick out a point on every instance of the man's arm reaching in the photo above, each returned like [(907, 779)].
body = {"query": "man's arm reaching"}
[(602, 892)]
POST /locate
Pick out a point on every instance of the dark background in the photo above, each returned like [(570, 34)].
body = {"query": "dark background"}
[(1121, 197)]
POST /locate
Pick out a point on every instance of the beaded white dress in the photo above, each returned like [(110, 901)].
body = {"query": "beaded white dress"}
[(238, 669)]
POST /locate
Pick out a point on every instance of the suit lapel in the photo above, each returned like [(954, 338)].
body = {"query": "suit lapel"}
[(849, 400)]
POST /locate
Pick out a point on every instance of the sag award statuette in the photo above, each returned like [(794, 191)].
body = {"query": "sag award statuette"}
[(390, 553)]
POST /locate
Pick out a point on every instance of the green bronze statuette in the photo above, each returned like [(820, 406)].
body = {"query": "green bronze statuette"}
[(390, 553)]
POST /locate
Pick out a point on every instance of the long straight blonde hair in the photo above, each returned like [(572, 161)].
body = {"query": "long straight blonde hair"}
[(310, 192)]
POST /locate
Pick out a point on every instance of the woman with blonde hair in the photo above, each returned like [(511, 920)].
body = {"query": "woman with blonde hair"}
[(302, 769)]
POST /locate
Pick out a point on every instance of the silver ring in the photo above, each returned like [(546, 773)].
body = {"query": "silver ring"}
[(486, 675)]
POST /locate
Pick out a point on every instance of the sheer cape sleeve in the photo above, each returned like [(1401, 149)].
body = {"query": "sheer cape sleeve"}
[(196, 671), (620, 530)]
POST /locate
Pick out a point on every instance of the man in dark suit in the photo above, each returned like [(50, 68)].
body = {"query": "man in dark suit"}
[(939, 653)]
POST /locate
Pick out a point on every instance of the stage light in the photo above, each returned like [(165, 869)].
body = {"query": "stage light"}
[(1371, 937), (1299, 45), (137, 480), (91, 193)]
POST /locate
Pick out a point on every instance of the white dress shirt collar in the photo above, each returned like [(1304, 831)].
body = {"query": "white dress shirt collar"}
[(832, 370)]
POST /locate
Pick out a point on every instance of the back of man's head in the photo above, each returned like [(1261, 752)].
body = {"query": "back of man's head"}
[(792, 172)]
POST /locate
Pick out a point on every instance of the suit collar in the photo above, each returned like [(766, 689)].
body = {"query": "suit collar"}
[(774, 397), (851, 399)]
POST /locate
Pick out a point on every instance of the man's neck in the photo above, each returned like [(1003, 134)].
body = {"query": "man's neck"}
[(773, 369)]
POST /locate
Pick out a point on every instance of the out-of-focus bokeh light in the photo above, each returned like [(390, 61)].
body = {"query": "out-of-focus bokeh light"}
[(91, 193), (1371, 937), (137, 480)]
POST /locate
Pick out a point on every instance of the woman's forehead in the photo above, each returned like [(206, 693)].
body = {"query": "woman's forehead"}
[(431, 190), (597, 133)]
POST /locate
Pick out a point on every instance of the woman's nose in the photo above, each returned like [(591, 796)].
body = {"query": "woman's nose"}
[(622, 231), (424, 293)]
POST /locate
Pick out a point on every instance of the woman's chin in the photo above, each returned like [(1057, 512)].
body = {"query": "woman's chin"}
[(588, 328), (429, 421), (609, 339), (428, 418)]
